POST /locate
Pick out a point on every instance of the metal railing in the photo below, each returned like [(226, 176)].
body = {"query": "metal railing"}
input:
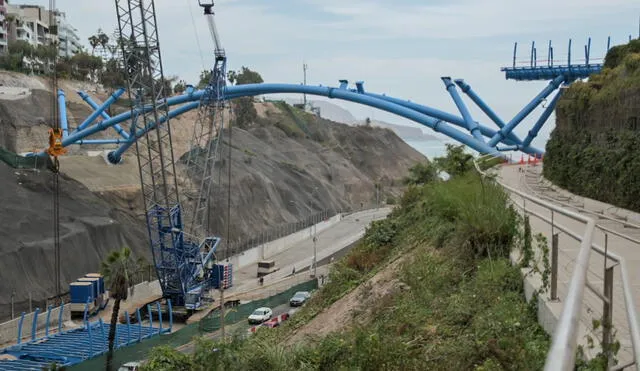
[(563, 349)]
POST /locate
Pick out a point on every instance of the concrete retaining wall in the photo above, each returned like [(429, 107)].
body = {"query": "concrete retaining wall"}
[(269, 249), (9, 329)]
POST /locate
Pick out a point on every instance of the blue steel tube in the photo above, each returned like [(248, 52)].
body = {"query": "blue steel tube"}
[(139, 318), (20, 323), (403, 108), (126, 315), (101, 141), (115, 156), (150, 319), (60, 316), (116, 94), (541, 121), (466, 88), (159, 317), (502, 133), (34, 324), (447, 116), (46, 326), (62, 106), (436, 125), (104, 115), (471, 125)]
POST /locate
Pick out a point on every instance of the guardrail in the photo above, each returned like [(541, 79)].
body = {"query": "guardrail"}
[(563, 348)]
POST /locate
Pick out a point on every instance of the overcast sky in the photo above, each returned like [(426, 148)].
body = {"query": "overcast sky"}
[(398, 47)]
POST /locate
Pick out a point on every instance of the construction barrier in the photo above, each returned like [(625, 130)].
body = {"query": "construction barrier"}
[(20, 162), (208, 324)]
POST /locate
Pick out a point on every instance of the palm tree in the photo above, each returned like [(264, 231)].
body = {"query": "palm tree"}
[(118, 270), (94, 42)]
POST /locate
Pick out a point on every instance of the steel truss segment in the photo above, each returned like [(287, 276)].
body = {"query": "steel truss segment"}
[(204, 152), (143, 64)]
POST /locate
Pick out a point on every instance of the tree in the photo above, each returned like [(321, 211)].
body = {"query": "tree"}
[(456, 162), (94, 42), (245, 111), (421, 173), (180, 87), (118, 270), (205, 77)]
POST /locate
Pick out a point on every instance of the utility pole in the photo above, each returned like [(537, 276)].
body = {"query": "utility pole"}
[(304, 71), (315, 252), (222, 310)]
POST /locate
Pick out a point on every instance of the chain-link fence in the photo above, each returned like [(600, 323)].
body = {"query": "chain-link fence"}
[(274, 233)]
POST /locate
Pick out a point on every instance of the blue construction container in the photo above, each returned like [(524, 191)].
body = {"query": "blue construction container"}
[(222, 276), (81, 292), (101, 288), (94, 285)]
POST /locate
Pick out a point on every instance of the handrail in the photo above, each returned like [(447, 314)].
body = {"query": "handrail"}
[(561, 356), (584, 210)]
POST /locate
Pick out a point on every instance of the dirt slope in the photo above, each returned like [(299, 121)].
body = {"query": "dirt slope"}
[(89, 227)]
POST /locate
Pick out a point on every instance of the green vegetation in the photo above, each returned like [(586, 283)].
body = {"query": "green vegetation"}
[(595, 149), (458, 302)]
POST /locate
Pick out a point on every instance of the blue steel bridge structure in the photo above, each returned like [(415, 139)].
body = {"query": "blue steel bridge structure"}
[(462, 127)]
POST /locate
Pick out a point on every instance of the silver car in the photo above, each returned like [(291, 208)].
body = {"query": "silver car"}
[(299, 298)]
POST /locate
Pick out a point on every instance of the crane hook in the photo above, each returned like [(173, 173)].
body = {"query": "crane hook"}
[(207, 6)]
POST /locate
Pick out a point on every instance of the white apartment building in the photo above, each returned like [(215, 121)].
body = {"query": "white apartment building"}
[(4, 36), (30, 23), (68, 36)]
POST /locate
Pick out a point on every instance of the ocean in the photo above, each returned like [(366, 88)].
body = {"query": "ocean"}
[(429, 148)]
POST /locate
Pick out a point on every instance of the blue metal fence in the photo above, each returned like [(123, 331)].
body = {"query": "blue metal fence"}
[(74, 346)]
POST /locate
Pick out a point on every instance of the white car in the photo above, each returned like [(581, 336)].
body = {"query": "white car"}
[(130, 366), (260, 315)]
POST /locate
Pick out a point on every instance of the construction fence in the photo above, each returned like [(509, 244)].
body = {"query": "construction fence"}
[(21, 162), (209, 324)]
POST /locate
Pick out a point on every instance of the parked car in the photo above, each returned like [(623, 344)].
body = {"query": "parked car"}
[(299, 298), (272, 323), (260, 315), (130, 366)]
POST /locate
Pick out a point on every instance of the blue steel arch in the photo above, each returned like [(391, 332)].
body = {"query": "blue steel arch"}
[(437, 120)]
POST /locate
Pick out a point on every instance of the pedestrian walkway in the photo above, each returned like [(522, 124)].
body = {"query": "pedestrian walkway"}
[(615, 229)]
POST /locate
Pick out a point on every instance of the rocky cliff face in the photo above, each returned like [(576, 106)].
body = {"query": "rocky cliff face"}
[(284, 166), (595, 148)]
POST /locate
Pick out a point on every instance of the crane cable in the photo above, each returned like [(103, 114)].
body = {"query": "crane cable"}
[(55, 148), (195, 33)]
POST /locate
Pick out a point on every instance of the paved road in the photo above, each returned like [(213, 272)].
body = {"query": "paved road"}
[(240, 327), (530, 182), (329, 242)]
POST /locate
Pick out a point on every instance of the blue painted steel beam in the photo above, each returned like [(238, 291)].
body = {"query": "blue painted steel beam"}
[(104, 115), (502, 133), (62, 107), (466, 88), (472, 126), (34, 324), (60, 316), (94, 115), (102, 141), (444, 116), (116, 156), (46, 327), (405, 109), (543, 118), (546, 73), (20, 323)]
